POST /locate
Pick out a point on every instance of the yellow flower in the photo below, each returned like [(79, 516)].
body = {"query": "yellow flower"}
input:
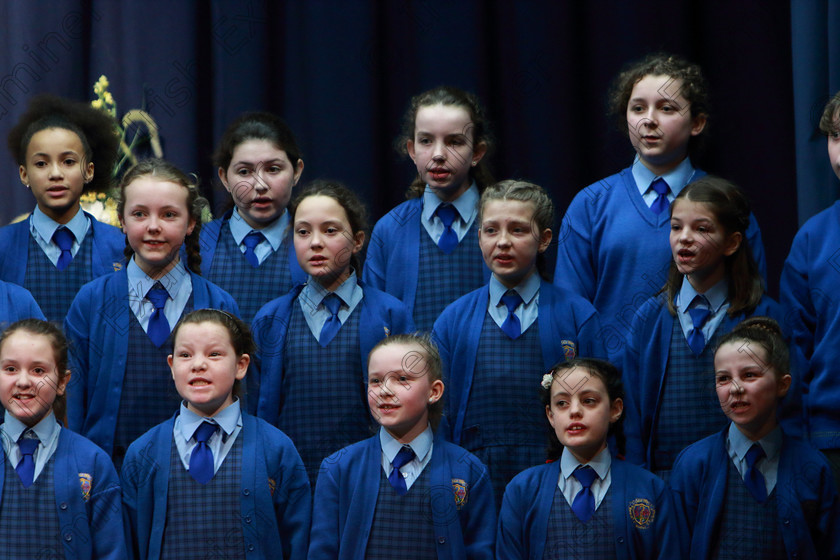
[(109, 99), (97, 104), (103, 81)]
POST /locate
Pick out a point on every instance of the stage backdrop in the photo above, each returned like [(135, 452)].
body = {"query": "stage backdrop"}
[(342, 72)]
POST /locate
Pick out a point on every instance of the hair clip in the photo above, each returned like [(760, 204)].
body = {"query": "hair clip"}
[(546, 380)]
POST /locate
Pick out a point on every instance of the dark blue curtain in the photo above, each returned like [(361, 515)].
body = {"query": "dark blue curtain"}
[(342, 72), (815, 26)]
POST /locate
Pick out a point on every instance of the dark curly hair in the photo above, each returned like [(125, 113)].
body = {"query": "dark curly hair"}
[(694, 89), (449, 96), (830, 119), (162, 170), (93, 127)]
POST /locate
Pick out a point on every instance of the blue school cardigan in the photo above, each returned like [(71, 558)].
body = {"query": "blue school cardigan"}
[(562, 315), (645, 360), (16, 303), (806, 500), (106, 253), (348, 486), (392, 262), (612, 250), (811, 300), (381, 316), (526, 507), (267, 455), (91, 528), (209, 239), (97, 329)]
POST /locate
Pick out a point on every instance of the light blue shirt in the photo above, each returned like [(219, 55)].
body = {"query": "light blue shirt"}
[(47, 431), (527, 311), (570, 486), (311, 301), (737, 445), (229, 420), (677, 179), (466, 204), (42, 228), (177, 282), (716, 300), (274, 234), (421, 445)]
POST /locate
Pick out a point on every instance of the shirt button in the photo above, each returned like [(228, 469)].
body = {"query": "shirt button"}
[(442, 540), (246, 492), (250, 548), (68, 537), (621, 540), (247, 519), (63, 505)]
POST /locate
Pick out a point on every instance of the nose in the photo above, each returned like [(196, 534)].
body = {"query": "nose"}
[(153, 224), (55, 171), (503, 239), (439, 151), (23, 379), (735, 388), (260, 183), (385, 387), (575, 410), (199, 363)]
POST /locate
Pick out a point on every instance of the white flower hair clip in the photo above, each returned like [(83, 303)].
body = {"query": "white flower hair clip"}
[(546, 380)]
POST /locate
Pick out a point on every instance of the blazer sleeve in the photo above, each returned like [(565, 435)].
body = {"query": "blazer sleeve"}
[(575, 268), (511, 539), (106, 512), (292, 499), (128, 483), (325, 537), (479, 527), (77, 329), (376, 259)]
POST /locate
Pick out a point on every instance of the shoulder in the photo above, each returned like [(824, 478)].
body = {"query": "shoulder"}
[(768, 306), (600, 192), (269, 435), (637, 475), (211, 229), (278, 307), (701, 453), (142, 455), (12, 231), (397, 217), (98, 286), (82, 447), (803, 451), (565, 298), (351, 457), (467, 301), (820, 224), (377, 298), (106, 232), (531, 477)]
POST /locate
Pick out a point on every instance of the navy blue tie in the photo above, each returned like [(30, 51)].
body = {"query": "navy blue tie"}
[(584, 503), (512, 327), (396, 478), (449, 239), (696, 340), (158, 329), (64, 238), (754, 480), (201, 458), (251, 240), (662, 189), (26, 467), (332, 325)]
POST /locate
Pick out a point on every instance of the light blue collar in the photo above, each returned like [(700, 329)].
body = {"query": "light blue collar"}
[(421, 445), (600, 463), (528, 289), (274, 233)]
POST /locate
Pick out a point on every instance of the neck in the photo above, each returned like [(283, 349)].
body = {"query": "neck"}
[(661, 168), (62, 217)]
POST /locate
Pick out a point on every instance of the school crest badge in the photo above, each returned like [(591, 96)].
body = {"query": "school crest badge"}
[(459, 487), (117, 266), (569, 349), (641, 513), (86, 481), (272, 485), (387, 332)]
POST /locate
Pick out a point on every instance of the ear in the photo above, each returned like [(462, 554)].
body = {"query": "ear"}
[(478, 152), (732, 244), (616, 410), (242, 366), (436, 391), (698, 123), (169, 361), (298, 171), (62, 384), (24, 177), (409, 146), (358, 241), (783, 385), (87, 172), (545, 239), (223, 178)]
